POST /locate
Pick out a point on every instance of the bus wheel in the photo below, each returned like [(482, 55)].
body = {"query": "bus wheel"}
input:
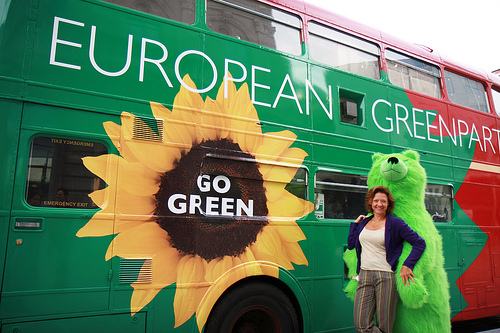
[(253, 307)]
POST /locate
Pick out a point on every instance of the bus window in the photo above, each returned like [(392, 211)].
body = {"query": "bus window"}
[(496, 100), (413, 74), (466, 92), (343, 51), (255, 22), (298, 185), (438, 201), (57, 176), (339, 195), (176, 10)]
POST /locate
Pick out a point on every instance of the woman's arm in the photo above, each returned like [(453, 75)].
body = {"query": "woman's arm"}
[(353, 234)]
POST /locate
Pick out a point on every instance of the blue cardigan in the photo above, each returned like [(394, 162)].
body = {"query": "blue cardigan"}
[(396, 232)]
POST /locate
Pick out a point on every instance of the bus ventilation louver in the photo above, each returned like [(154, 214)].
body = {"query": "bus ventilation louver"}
[(148, 129), (136, 271)]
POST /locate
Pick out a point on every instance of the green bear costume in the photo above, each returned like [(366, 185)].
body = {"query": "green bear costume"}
[(424, 305)]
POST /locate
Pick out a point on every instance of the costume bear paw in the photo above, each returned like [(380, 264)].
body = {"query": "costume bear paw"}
[(350, 289), (413, 296)]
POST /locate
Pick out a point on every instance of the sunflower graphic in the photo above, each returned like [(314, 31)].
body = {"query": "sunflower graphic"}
[(203, 197)]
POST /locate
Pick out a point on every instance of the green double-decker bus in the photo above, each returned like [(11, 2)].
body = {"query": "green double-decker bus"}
[(194, 165)]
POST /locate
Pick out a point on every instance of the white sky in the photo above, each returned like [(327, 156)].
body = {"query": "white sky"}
[(463, 31)]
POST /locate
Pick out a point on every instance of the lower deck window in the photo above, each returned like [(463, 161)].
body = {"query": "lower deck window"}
[(339, 195), (438, 202), (56, 175)]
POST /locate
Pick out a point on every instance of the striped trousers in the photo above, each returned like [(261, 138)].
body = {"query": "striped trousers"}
[(376, 296)]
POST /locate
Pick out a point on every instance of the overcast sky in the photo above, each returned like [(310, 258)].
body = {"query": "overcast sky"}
[(463, 31)]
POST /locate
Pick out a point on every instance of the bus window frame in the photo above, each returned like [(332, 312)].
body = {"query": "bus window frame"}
[(474, 79), (438, 75), (334, 35), (441, 195), (333, 187), (298, 27), (137, 11), (55, 136), (495, 91)]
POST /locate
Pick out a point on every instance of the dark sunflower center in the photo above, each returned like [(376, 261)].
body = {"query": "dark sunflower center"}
[(211, 205)]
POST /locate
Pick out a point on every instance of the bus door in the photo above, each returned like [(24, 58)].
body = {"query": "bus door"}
[(48, 269), (10, 117)]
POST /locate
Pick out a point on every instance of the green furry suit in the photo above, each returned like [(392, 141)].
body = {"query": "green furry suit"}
[(424, 305)]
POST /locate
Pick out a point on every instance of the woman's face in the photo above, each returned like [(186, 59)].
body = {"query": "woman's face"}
[(380, 203)]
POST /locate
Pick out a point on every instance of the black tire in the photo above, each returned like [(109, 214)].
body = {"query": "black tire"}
[(253, 307)]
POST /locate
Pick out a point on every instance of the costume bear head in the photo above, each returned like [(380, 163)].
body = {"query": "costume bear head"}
[(403, 175)]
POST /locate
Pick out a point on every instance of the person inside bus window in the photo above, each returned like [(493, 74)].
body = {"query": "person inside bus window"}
[(378, 240), (33, 197), (62, 195)]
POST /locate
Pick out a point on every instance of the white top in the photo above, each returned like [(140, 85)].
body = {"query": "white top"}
[(373, 256)]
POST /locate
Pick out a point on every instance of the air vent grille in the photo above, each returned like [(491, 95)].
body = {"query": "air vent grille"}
[(148, 129), (136, 271)]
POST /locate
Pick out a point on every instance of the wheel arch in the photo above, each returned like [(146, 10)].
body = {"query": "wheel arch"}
[(283, 280)]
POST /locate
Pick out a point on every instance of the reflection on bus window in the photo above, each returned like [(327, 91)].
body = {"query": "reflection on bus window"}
[(298, 185), (496, 100), (176, 10), (438, 201), (255, 22), (413, 74), (339, 195), (466, 92), (344, 51), (57, 176)]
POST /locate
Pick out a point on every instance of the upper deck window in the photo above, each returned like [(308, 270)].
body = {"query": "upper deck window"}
[(176, 10), (344, 51), (413, 74), (496, 100), (255, 22), (466, 92)]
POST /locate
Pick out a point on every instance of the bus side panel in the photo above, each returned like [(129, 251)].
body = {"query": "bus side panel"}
[(10, 117), (50, 270), (109, 323)]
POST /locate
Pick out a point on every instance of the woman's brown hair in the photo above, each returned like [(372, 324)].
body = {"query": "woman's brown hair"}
[(379, 189)]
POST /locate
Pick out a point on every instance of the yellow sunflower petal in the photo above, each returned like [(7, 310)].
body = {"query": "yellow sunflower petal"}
[(103, 166), (190, 272), (146, 239), (155, 155), (164, 272), (98, 197), (274, 145), (295, 253), (294, 156), (269, 247), (131, 204), (159, 111), (289, 231), (113, 131), (215, 124), (138, 179), (101, 224), (290, 206), (142, 296)]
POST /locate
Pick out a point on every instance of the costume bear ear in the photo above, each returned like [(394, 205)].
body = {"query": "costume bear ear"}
[(376, 157), (412, 154)]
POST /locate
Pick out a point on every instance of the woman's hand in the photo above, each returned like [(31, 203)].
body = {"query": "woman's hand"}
[(360, 217), (406, 274)]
